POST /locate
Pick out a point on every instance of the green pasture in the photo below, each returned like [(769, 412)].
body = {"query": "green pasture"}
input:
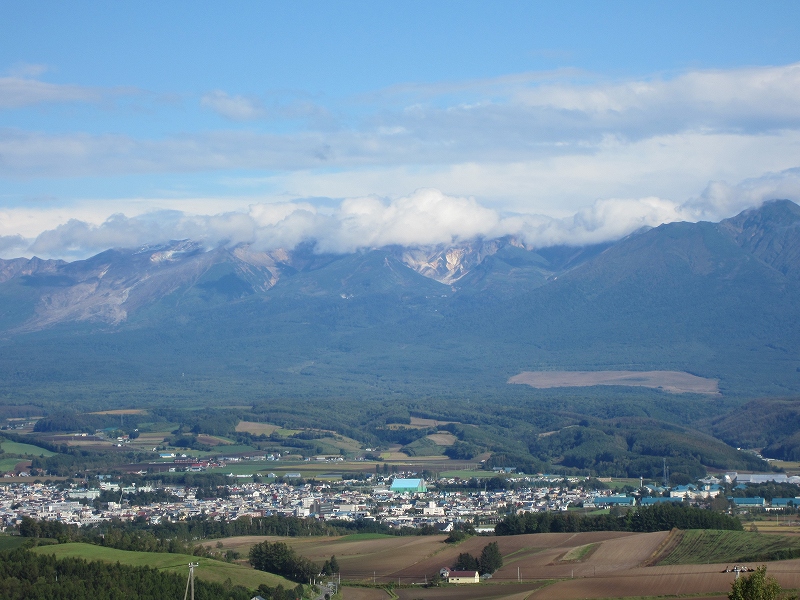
[(209, 569), (701, 546), (8, 464), (27, 449)]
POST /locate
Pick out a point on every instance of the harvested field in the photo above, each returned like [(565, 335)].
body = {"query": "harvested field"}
[(469, 592), (359, 593), (255, 428), (613, 569), (442, 439), (676, 382), (213, 440), (419, 422)]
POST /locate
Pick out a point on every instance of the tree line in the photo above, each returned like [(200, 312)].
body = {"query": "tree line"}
[(659, 517)]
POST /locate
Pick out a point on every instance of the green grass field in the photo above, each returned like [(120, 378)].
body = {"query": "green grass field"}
[(699, 546), (210, 570), (8, 464), (29, 449)]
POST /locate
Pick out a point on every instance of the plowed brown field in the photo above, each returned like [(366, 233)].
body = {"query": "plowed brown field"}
[(614, 570)]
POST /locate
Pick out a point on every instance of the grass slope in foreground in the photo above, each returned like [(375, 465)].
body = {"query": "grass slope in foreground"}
[(703, 546), (210, 570)]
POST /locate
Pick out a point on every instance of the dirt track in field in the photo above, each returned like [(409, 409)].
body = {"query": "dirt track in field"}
[(676, 382)]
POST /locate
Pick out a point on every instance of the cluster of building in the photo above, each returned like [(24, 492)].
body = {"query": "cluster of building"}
[(396, 503)]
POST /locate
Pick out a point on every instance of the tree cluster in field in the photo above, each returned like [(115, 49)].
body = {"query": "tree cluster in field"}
[(460, 532), (659, 517), (758, 586), (279, 558), (28, 576), (330, 566), (487, 563)]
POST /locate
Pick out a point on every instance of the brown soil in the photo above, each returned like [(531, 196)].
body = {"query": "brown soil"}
[(613, 570), (675, 382), (255, 428), (442, 439)]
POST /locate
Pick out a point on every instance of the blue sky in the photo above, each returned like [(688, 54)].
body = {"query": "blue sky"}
[(365, 123)]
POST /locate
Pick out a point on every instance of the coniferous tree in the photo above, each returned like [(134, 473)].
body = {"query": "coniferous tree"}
[(490, 559)]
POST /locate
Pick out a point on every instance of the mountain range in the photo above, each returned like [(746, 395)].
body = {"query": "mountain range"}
[(717, 300)]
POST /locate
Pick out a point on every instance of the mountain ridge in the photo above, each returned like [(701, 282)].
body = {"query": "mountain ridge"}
[(712, 299)]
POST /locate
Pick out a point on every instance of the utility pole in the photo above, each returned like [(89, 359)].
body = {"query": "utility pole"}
[(190, 580)]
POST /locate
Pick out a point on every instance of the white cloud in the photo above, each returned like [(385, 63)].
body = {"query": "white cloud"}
[(237, 108), (23, 69), (554, 158), (528, 120), (721, 199), (426, 217), (16, 92)]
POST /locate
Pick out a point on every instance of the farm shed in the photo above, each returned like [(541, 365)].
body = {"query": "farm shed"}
[(463, 577)]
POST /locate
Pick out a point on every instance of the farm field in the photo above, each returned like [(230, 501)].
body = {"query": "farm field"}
[(670, 381), (703, 547), (255, 428), (560, 566), (28, 449), (788, 524), (210, 570), (442, 439), (8, 464)]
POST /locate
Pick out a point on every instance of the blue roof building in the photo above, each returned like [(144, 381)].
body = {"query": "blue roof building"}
[(784, 502), (408, 486), (615, 500), (756, 502)]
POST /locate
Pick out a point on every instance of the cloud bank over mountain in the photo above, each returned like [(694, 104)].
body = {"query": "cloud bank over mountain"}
[(427, 217)]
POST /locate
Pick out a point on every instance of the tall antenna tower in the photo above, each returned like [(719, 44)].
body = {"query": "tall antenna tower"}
[(190, 580), (666, 477)]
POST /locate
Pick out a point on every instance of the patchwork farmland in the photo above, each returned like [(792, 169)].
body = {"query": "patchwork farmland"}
[(560, 566)]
